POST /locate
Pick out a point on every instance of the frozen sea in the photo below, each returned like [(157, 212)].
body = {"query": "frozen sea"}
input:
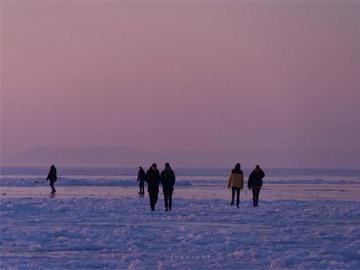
[(306, 219)]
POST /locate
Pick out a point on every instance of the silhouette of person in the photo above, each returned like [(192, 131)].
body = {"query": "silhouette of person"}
[(52, 177), (141, 180), (153, 179), (236, 182), (255, 183), (168, 182)]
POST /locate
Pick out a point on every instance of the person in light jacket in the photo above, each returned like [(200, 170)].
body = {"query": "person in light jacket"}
[(236, 183)]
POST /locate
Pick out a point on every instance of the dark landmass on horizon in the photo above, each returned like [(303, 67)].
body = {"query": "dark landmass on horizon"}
[(116, 156)]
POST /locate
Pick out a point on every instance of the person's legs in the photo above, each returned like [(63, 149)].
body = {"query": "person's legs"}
[(237, 197), (257, 194), (155, 198), (232, 195), (141, 187), (53, 190), (254, 196), (152, 205), (170, 200), (166, 200)]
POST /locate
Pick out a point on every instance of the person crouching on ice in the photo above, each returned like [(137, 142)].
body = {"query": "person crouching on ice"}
[(255, 182), (153, 179), (168, 182), (52, 177), (236, 182)]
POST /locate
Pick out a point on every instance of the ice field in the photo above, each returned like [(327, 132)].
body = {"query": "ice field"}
[(305, 220)]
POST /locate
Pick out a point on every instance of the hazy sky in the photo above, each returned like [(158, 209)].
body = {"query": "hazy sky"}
[(190, 75)]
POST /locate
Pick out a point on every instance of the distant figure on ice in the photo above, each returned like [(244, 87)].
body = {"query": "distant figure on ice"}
[(236, 182), (255, 182), (153, 179), (52, 177), (141, 180), (168, 182)]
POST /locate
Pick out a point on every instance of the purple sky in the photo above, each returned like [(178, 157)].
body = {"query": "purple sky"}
[(180, 76)]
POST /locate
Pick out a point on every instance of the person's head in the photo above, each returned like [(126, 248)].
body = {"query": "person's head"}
[(141, 169), (52, 167), (257, 167), (153, 166), (167, 165), (236, 168)]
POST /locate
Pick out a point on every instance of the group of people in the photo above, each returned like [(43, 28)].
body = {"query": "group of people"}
[(166, 178), (153, 178), (236, 183)]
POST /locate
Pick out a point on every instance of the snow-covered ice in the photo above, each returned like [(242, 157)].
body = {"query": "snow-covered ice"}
[(86, 233), (88, 226)]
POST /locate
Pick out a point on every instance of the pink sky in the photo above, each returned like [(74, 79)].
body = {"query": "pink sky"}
[(180, 76)]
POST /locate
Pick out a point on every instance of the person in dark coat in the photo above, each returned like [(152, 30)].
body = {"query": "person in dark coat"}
[(52, 178), (255, 183), (168, 182), (141, 180), (153, 179)]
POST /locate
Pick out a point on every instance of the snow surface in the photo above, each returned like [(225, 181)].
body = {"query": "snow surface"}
[(307, 219), (121, 233)]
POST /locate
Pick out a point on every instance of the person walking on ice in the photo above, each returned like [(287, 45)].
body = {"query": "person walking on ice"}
[(52, 178), (168, 182), (141, 180), (255, 183), (236, 183), (153, 179)]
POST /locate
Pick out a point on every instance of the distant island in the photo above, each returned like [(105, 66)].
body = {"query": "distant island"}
[(120, 156)]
